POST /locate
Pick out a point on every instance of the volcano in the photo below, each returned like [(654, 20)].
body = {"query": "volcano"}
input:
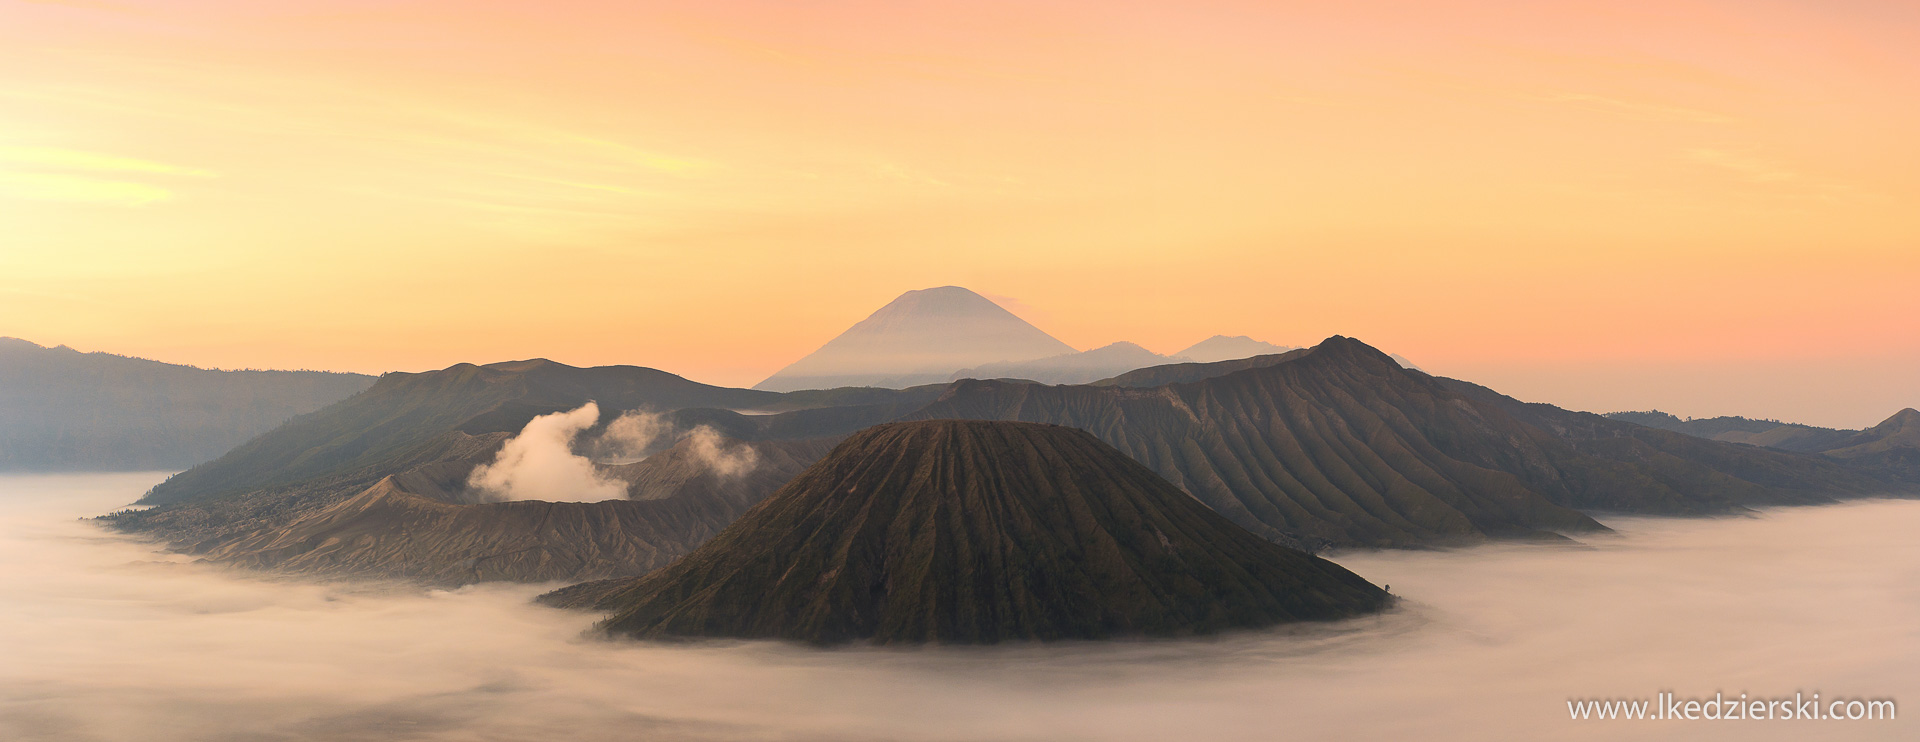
[(921, 337), (971, 531)]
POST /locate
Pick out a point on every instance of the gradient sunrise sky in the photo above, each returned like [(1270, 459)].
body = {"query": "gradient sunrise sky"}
[(1706, 206)]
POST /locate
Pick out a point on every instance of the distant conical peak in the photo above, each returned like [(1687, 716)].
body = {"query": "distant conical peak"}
[(919, 337)]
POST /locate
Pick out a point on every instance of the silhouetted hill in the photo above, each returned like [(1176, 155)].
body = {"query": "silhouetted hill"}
[(922, 337), (1769, 433), (63, 410), (972, 532), (1893, 446), (1672, 465), (1073, 368)]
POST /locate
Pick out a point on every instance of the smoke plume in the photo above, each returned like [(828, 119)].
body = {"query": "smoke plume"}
[(629, 436), (539, 463), (710, 448)]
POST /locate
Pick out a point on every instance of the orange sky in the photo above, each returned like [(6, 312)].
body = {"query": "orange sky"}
[(1707, 206)]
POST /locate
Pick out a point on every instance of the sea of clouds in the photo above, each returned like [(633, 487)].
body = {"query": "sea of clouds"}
[(108, 638)]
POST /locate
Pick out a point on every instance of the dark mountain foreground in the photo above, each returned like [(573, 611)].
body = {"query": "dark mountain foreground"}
[(976, 532), (64, 410)]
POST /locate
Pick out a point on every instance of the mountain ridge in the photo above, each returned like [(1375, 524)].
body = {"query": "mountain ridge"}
[(67, 410), (976, 532)]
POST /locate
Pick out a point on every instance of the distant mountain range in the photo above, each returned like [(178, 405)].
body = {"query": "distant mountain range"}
[(1223, 348), (1892, 445), (64, 410), (1769, 433), (976, 532), (949, 333), (1335, 445), (1072, 368)]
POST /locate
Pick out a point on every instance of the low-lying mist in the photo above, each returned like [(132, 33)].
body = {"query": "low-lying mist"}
[(108, 639)]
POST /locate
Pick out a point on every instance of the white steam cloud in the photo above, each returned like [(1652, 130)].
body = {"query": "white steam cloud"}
[(539, 463), (728, 461), (629, 436)]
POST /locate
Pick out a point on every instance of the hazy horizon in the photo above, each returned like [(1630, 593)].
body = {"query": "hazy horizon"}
[(1700, 389), (1672, 194)]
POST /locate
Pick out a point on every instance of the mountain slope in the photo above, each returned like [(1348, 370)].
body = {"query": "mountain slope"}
[(358, 441), (1633, 468), (1180, 373), (410, 526), (1893, 447), (1074, 368), (953, 531), (390, 467), (1769, 433), (1902, 430), (1340, 445), (922, 337), (1224, 348), (63, 410)]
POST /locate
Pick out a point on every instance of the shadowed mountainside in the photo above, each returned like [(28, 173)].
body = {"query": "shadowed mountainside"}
[(405, 448), (408, 415), (1892, 446), (1335, 445), (1769, 433), (63, 410), (412, 526), (976, 532), (1341, 445)]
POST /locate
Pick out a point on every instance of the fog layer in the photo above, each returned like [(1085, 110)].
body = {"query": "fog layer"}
[(107, 639)]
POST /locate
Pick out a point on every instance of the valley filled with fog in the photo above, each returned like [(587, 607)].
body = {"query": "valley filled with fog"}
[(110, 638)]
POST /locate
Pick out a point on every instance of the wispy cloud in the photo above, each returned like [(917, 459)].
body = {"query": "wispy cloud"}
[(73, 159), (1754, 168), (1636, 109), (78, 188), (77, 176)]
